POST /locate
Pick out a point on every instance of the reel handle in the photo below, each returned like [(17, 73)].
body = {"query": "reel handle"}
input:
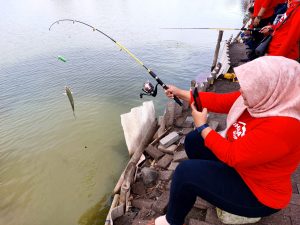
[(176, 99)]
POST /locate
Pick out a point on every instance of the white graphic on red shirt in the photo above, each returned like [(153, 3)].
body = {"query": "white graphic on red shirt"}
[(240, 130)]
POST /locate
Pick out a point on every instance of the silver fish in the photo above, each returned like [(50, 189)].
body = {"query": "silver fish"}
[(70, 97)]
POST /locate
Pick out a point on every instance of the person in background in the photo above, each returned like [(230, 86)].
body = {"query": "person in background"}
[(247, 170), (281, 6), (263, 15), (286, 33)]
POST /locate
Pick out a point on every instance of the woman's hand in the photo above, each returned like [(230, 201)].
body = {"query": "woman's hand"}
[(172, 90), (200, 118), (266, 29)]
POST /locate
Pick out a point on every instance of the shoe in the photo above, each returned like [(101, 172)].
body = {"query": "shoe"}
[(228, 218), (161, 220)]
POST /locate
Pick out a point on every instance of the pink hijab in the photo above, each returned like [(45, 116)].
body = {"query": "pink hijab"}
[(271, 86)]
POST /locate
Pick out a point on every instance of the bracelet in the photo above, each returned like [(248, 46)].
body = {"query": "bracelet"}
[(201, 128)]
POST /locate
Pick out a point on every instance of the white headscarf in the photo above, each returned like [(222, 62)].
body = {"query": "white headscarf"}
[(271, 86)]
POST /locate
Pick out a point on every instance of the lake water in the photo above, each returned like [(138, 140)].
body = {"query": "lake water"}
[(58, 170)]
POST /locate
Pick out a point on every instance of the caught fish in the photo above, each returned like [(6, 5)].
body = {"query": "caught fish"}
[(70, 97), (61, 58)]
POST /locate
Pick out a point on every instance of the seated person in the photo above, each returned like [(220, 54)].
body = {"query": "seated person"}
[(247, 170), (286, 33)]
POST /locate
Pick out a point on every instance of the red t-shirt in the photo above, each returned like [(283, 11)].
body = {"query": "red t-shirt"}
[(267, 4), (286, 37), (264, 151)]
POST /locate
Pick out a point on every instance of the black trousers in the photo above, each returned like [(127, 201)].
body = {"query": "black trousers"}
[(205, 176)]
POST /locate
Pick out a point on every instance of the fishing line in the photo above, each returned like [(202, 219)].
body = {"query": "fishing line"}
[(151, 73)]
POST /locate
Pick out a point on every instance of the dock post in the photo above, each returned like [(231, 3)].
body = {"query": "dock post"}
[(217, 49)]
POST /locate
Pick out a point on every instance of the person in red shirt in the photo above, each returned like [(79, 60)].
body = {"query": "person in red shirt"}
[(263, 15), (286, 33), (247, 169)]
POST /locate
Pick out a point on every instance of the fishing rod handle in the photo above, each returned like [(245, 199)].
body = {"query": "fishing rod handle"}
[(176, 99)]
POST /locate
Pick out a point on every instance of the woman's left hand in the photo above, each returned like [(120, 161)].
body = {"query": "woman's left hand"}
[(200, 118)]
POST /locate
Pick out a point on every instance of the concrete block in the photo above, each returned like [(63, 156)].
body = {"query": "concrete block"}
[(169, 150), (276, 218), (189, 122), (165, 161), (168, 187), (153, 152), (170, 113), (185, 105), (213, 124), (169, 139), (180, 156), (142, 203), (211, 217), (202, 204), (173, 165), (165, 175), (295, 199), (160, 205), (182, 140)]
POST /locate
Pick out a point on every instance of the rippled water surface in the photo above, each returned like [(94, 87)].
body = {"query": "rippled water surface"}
[(58, 170)]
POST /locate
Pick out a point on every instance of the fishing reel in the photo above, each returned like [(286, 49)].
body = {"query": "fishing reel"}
[(148, 89)]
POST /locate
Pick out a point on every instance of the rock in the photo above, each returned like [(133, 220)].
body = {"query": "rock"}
[(138, 188), (185, 131), (153, 152), (173, 166), (169, 150), (213, 124), (149, 176), (178, 110), (180, 156), (165, 161), (165, 175), (142, 203), (211, 217), (169, 139), (145, 214), (160, 205), (170, 113), (179, 121)]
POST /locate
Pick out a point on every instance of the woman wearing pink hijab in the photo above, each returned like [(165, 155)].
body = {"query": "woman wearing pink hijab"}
[(246, 171)]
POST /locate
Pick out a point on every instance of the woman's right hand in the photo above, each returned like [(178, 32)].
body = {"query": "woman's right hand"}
[(266, 29), (172, 90)]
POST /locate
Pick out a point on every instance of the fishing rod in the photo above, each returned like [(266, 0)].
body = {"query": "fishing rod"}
[(209, 28), (148, 91)]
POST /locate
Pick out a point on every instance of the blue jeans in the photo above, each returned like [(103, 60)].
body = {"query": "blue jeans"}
[(205, 176)]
